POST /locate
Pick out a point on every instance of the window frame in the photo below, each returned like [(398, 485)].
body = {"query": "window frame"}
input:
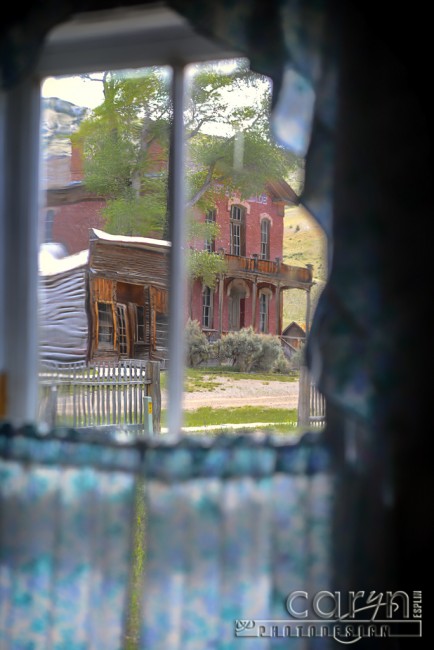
[(207, 309), (137, 338), (137, 37), (210, 217), (48, 225), (265, 242), (264, 315), (237, 230), (121, 329), (101, 344)]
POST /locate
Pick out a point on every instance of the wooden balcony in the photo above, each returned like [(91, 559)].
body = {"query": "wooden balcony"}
[(288, 277)]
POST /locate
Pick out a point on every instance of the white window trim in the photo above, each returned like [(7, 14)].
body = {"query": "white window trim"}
[(268, 243), (117, 39)]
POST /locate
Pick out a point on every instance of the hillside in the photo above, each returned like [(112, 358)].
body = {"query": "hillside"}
[(59, 120), (303, 243)]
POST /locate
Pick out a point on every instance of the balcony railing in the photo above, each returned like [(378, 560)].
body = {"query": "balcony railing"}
[(290, 276)]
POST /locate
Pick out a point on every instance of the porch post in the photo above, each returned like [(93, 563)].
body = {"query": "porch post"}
[(278, 323), (254, 299)]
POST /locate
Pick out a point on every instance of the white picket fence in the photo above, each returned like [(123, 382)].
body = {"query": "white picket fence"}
[(311, 403), (100, 394)]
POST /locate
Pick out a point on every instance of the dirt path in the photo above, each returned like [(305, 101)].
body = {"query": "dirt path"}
[(228, 392)]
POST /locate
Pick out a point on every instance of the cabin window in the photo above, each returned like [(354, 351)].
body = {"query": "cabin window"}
[(140, 324), (265, 239), (121, 322), (105, 325), (237, 230), (263, 312), (210, 217), (207, 307)]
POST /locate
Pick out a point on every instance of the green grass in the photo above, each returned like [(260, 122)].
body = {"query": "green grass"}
[(228, 371), (206, 379), (208, 416)]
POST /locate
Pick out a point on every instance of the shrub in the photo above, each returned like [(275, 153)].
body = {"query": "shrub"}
[(197, 346), (249, 351), (298, 359), (281, 365), (242, 348), (270, 351)]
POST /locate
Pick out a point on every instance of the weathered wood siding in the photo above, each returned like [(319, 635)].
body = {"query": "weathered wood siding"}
[(62, 317), (102, 290), (133, 265), (125, 274)]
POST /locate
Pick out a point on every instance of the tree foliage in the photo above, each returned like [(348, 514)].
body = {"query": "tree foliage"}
[(229, 146), (206, 266)]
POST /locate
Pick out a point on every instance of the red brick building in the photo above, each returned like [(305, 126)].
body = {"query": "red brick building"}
[(249, 293)]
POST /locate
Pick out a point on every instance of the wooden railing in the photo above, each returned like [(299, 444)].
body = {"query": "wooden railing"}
[(296, 276), (123, 393)]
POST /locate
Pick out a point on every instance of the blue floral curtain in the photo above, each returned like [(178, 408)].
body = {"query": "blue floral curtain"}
[(233, 526), (64, 544)]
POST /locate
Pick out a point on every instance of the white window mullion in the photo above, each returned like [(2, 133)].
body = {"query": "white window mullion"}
[(20, 269), (177, 262)]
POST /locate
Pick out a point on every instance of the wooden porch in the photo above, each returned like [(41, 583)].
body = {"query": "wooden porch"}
[(259, 276)]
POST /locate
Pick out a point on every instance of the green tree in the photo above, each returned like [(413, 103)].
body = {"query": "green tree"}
[(117, 147), (206, 266), (230, 147), (125, 147)]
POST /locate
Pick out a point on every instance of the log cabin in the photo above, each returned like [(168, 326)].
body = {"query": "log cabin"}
[(105, 303)]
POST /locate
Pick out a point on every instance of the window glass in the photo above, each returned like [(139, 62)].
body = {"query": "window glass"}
[(121, 330), (104, 259), (140, 323), (210, 218), (105, 325), (237, 230), (207, 307), (263, 313), (265, 239)]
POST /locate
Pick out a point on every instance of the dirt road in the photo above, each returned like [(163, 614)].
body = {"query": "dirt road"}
[(228, 392)]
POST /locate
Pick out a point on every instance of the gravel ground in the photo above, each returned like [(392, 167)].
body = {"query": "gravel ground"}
[(242, 392)]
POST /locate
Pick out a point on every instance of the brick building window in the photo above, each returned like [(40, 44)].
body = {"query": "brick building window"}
[(238, 230), (49, 221), (210, 217), (265, 239), (207, 307)]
